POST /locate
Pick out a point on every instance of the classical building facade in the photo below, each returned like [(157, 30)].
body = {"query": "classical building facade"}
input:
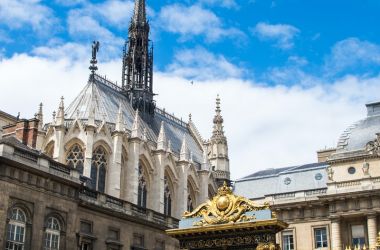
[(109, 163), (332, 204)]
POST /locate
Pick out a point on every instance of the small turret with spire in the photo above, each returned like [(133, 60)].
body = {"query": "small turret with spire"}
[(218, 147)]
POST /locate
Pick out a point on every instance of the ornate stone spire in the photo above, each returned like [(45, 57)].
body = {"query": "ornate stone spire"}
[(136, 126), (184, 154), (120, 120), (139, 16), (61, 113), (137, 72), (161, 141)]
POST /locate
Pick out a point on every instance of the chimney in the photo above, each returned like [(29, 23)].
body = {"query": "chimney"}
[(24, 130)]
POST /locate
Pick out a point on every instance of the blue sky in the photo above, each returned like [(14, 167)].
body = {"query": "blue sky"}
[(256, 36), (292, 75)]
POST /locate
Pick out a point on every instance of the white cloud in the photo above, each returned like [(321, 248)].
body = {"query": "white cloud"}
[(266, 126), (21, 13), (282, 34), (201, 64), (222, 3), (70, 2), (352, 52), (194, 21)]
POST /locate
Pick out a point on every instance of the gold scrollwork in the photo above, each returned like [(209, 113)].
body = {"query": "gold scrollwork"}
[(225, 207)]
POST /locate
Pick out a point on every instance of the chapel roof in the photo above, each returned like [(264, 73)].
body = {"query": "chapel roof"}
[(106, 97)]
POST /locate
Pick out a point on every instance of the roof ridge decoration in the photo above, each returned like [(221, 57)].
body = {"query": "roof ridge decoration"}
[(225, 208), (195, 132)]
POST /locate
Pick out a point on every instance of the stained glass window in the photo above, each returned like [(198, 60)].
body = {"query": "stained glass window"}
[(142, 192), (98, 169), (167, 198), (75, 158)]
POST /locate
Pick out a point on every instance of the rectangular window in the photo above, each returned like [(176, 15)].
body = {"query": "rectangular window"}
[(113, 234), (160, 245), (86, 227), (320, 237), (138, 240), (288, 240), (358, 235)]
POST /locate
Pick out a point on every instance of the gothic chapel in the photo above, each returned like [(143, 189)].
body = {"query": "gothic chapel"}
[(126, 147)]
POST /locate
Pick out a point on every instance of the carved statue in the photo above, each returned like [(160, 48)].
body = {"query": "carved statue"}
[(330, 173), (95, 49), (225, 207), (373, 147)]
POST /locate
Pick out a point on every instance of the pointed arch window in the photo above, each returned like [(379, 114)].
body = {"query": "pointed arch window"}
[(75, 158), (16, 230), (52, 234), (98, 169), (142, 191), (167, 198)]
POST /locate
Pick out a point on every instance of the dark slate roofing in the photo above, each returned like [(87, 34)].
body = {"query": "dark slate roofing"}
[(106, 97), (12, 141), (2, 113), (277, 171)]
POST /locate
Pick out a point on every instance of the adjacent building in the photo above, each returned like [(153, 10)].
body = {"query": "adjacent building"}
[(333, 203)]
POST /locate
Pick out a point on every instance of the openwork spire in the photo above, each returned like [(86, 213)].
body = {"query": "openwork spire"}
[(137, 72), (139, 16)]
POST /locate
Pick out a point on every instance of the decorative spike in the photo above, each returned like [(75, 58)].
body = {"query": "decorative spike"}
[(205, 164), (40, 117), (54, 115), (91, 117), (161, 141), (170, 146), (136, 126), (61, 113), (120, 121), (144, 135), (190, 116), (184, 155)]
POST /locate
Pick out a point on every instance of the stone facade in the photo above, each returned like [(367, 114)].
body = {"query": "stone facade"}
[(332, 204), (43, 188)]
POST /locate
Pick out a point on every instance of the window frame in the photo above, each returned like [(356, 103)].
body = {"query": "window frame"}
[(313, 230), (292, 232), (52, 232), (17, 224)]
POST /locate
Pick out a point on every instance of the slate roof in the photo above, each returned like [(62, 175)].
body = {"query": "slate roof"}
[(105, 97), (356, 136), (272, 181)]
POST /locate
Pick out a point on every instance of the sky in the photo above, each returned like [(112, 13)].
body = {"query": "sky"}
[(292, 75)]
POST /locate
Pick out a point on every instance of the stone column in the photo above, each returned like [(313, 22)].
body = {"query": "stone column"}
[(372, 230), (158, 182), (336, 239), (132, 173), (90, 130), (114, 173), (182, 189), (203, 192)]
